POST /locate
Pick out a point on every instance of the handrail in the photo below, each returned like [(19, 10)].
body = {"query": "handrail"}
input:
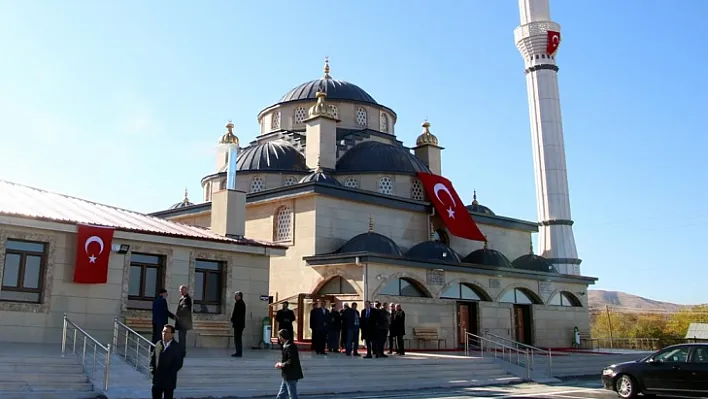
[(87, 340), (135, 348), (532, 348), (522, 356), (642, 343)]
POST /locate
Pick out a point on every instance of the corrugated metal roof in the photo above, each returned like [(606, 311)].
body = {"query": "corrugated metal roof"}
[(24, 201), (697, 330)]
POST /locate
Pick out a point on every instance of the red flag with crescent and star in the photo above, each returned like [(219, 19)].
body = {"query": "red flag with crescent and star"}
[(554, 40), (450, 207), (93, 251)]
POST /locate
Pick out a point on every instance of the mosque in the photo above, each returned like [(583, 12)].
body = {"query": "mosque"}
[(328, 180)]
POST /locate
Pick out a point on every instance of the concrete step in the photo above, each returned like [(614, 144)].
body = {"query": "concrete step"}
[(44, 386), (47, 395), (45, 368), (42, 376)]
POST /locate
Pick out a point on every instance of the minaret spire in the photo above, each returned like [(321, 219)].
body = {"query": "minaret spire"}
[(537, 39)]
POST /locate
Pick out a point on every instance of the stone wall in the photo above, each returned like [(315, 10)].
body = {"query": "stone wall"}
[(553, 325)]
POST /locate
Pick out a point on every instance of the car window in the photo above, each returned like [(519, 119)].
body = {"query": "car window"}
[(700, 355), (674, 355)]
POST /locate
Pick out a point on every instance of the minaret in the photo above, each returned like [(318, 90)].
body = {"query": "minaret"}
[(537, 38)]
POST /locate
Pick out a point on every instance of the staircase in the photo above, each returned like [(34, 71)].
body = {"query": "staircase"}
[(38, 371), (223, 376)]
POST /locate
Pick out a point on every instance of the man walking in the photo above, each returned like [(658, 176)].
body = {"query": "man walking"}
[(289, 366), (166, 360), (238, 322), (183, 321), (160, 314)]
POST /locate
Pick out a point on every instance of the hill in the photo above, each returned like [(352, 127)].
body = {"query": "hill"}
[(618, 299)]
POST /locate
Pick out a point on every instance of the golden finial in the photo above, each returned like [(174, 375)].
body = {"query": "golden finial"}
[(326, 68), (320, 108), (531, 245), (474, 198), (229, 137), (319, 164), (371, 223), (186, 197), (426, 137), (486, 243)]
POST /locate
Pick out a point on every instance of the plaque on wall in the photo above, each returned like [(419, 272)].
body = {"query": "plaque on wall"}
[(545, 288), (435, 277), (494, 283)]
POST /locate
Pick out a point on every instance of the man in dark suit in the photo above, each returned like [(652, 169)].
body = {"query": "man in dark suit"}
[(289, 366), (238, 322), (183, 321), (285, 318), (400, 327), (350, 328), (160, 314), (334, 328), (382, 325), (166, 360), (392, 329), (318, 325), (368, 323)]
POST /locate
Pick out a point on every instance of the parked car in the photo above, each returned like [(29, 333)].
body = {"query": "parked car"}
[(677, 370)]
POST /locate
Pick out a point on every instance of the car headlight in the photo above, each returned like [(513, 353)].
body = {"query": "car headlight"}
[(608, 371)]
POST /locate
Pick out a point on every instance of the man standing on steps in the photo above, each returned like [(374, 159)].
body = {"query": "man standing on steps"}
[(160, 314), (166, 360), (238, 322), (285, 318), (183, 322)]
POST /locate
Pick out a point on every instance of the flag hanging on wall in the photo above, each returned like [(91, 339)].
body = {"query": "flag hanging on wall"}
[(93, 251), (450, 207)]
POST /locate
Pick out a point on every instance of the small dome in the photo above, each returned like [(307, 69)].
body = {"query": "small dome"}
[(273, 156), (426, 137), (534, 263), (373, 156), (433, 250), (487, 257), (371, 242), (184, 203), (320, 177), (335, 89), (477, 208)]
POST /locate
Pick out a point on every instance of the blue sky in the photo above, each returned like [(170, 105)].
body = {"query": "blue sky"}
[(123, 102)]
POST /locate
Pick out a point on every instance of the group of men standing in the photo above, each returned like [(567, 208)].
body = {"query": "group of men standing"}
[(333, 330)]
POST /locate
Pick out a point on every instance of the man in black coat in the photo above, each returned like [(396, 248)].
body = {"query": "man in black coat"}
[(289, 366), (399, 322), (166, 360), (351, 322), (183, 319), (285, 318), (238, 322), (368, 322), (382, 325), (318, 325), (160, 314)]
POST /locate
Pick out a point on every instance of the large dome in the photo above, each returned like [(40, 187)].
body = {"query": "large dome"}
[(373, 156), (273, 156), (335, 89), (371, 242)]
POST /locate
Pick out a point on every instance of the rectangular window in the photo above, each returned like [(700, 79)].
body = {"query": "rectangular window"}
[(146, 277), (23, 276), (208, 286)]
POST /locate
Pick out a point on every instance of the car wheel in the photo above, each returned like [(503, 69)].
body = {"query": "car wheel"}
[(626, 387)]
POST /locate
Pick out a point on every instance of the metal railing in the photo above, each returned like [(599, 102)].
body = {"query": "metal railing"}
[(92, 354), (132, 346), (533, 350), (648, 344), (515, 356)]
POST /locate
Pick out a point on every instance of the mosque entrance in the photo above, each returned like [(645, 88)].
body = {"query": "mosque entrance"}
[(467, 321), (522, 324), (305, 302)]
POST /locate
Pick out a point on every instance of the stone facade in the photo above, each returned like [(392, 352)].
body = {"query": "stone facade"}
[(94, 306)]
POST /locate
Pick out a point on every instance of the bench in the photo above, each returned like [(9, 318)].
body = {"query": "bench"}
[(427, 334), (213, 328)]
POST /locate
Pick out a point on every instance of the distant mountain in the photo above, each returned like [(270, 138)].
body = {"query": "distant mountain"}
[(617, 299)]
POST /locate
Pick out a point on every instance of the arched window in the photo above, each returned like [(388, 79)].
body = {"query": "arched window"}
[(275, 121), (299, 115), (464, 291), (403, 287), (289, 180), (386, 185), (282, 224), (519, 296), (334, 111), (384, 123), (337, 285), (351, 182), (257, 185), (361, 117), (207, 191), (564, 298), (417, 190)]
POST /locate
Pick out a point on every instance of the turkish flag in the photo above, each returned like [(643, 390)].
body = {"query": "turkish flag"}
[(93, 250), (450, 207), (554, 40)]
